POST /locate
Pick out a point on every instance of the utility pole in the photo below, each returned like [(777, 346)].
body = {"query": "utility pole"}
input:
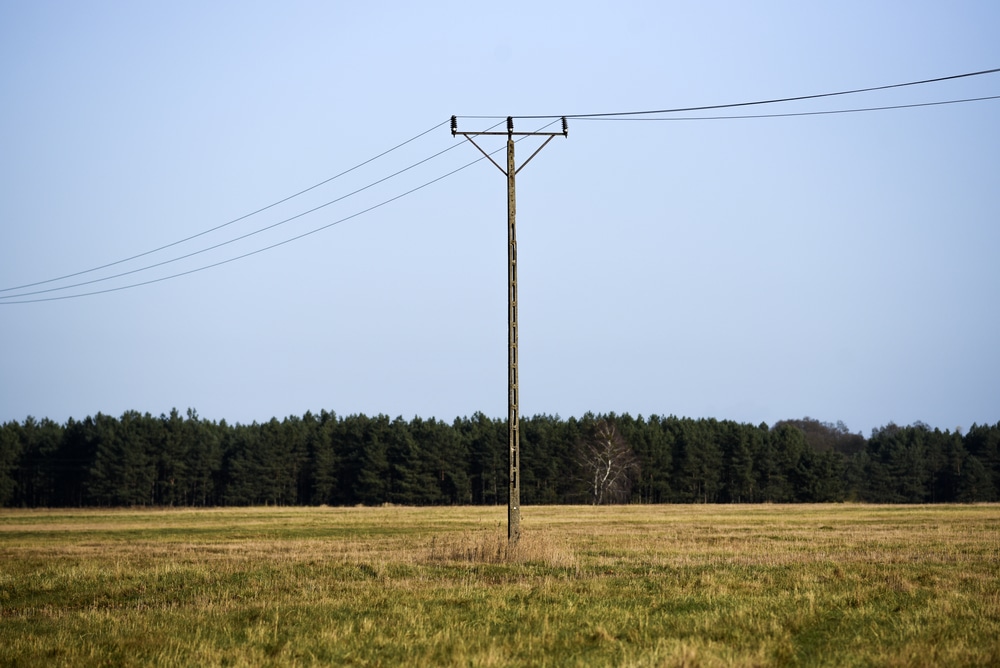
[(513, 415)]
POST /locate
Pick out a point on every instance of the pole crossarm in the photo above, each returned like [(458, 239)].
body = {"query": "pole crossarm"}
[(509, 132), (513, 409)]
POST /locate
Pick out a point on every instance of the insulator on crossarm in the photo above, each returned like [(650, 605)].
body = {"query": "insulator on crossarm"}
[(565, 127), (510, 124), (454, 125)]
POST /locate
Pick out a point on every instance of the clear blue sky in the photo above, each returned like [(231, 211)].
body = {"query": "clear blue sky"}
[(843, 267)]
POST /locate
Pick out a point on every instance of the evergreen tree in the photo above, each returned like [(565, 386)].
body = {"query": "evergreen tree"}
[(41, 463), (409, 478), (828, 478), (450, 459), (322, 460), (790, 460), (242, 471), (485, 441), (737, 461), (123, 472), (652, 443), (201, 447), (171, 459), (371, 484), (547, 466), (10, 459), (983, 443), (947, 455), (697, 462), (974, 482)]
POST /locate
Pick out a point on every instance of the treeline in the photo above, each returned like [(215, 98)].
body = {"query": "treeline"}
[(177, 460)]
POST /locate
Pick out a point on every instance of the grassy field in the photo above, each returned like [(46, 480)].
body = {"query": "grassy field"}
[(827, 585)]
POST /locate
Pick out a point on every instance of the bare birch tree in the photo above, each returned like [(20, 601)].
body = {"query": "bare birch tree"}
[(608, 464)]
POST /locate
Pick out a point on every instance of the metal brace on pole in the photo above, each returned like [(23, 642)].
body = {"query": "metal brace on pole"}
[(513, 415)]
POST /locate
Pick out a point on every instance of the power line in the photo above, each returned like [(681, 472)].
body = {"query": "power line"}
[(265, 248), (254, 252), (220, 244), (608, 116), (800, 113), (757, 102), (615, 116), (219, 227)]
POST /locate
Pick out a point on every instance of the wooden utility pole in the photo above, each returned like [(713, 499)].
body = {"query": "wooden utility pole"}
[(513, 414)]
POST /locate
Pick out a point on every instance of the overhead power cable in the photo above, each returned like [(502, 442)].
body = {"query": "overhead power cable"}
[(757, 102), (265, 248), (799, 113), (222, 243), (219, 227), (619, 116), (248, 254)]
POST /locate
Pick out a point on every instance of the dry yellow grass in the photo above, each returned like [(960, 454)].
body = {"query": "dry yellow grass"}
[(634, 586)]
